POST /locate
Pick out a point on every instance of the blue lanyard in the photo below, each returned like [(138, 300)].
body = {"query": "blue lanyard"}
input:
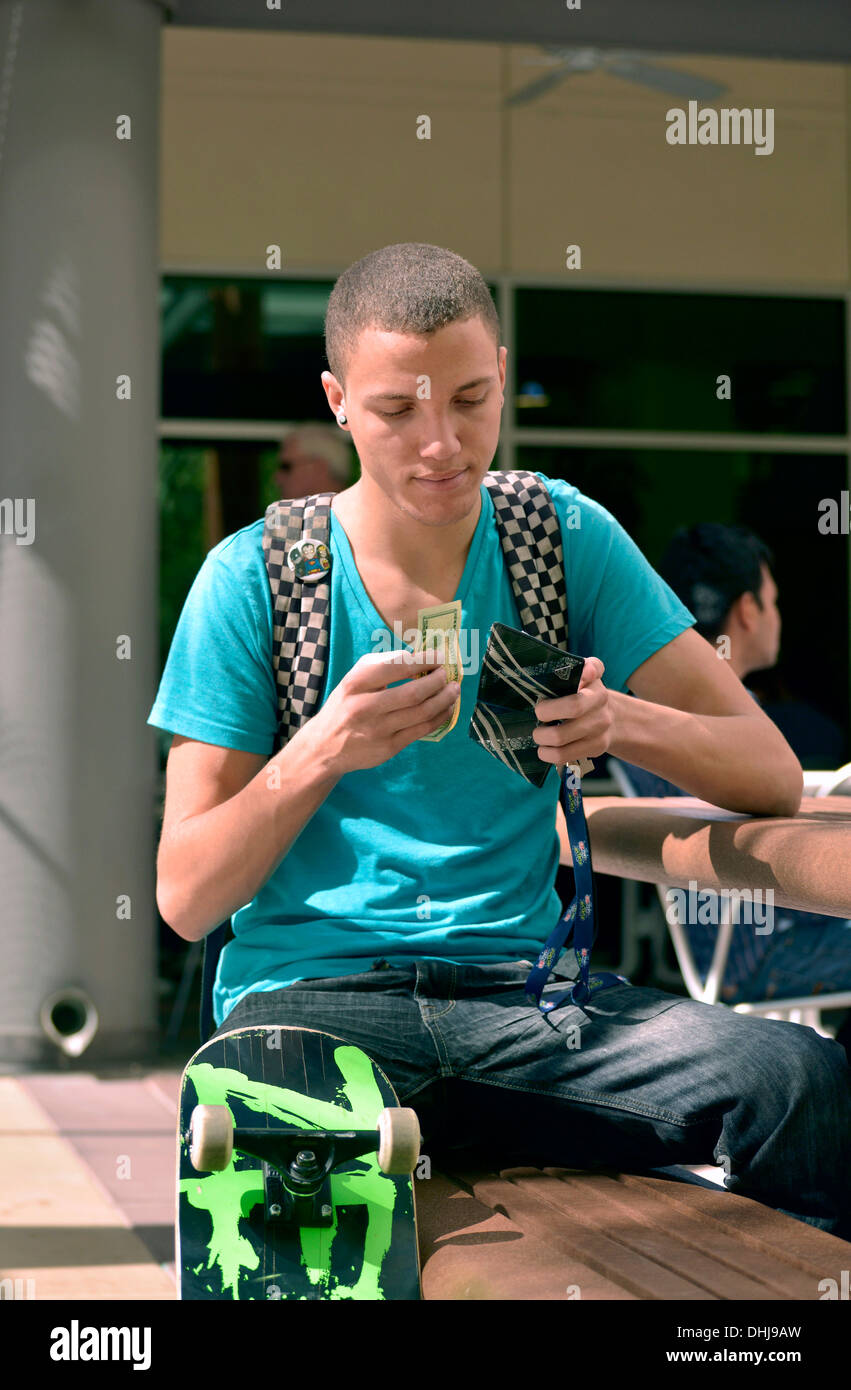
[(578, 918)]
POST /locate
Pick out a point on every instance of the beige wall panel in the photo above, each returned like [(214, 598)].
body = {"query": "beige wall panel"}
[(311, 143), (590, 164)]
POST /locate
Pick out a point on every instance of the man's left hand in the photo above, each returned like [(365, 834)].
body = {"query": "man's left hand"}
[(588, 717)]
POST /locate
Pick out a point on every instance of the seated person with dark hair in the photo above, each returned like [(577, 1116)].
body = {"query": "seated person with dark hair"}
[(723, 574)]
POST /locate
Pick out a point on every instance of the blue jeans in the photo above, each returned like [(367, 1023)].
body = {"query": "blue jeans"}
[(635, 1079)]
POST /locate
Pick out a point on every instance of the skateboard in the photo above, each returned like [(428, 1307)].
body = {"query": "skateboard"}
[(294, 1172)]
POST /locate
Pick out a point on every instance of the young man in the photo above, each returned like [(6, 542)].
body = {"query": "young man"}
[(394, 891)]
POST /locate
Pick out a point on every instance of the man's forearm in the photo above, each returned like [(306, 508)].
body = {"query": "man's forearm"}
[(219, 860), (739, 761)]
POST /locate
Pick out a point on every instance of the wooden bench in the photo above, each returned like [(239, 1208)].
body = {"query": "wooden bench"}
[(525, 1233)]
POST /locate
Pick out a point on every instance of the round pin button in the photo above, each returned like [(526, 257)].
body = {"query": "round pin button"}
[(309, 560)]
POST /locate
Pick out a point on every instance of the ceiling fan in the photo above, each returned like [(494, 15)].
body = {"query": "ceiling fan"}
[(630, 65)]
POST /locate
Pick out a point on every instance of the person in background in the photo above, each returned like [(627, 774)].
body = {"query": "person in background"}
[(724, 575), (727, 573), (313, 458)]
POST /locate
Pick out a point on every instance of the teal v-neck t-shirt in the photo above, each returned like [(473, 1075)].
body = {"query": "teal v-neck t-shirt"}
[(440, 853)]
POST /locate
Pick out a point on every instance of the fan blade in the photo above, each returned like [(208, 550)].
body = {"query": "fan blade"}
[(536, 89), (680, 84)]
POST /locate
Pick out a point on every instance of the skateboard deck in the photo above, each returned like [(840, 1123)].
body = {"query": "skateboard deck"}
[(246, 1230)]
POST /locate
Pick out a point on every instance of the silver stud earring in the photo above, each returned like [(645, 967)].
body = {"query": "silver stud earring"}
[(341, 419)]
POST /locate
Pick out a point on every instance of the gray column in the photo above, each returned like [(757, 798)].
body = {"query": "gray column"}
[(79, 240)]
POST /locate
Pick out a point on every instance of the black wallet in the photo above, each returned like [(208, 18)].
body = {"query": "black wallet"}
[(518, 671)]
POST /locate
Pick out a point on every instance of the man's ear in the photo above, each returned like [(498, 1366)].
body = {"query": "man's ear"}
[(502, 356), (333, 391), (746, 610)]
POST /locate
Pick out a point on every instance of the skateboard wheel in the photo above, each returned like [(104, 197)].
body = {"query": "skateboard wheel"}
[(399, 1147), (210, 1138)]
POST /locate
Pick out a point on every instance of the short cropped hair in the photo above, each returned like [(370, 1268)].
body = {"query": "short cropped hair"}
[(410, 287), (709, 566)]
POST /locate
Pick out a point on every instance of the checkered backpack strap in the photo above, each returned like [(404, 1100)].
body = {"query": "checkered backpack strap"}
[(300, 612), (530, 533), (531, 540)]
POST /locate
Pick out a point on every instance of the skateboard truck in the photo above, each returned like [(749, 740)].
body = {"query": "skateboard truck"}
[(297, 1163), (297, 1182)]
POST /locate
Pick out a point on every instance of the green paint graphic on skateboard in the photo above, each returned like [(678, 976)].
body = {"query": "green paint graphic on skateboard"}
[(297, 1082)]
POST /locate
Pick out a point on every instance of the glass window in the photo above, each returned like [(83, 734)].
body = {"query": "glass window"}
[(243, 349), (183, 538), (605, 359)]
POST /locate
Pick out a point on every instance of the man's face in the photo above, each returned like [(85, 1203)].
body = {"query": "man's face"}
[(299, 472), (425, 408)]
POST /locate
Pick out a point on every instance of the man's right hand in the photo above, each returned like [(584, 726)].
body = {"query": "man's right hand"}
[(363, 723)]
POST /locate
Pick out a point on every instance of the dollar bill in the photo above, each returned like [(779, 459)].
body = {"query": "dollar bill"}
[(438, 629)]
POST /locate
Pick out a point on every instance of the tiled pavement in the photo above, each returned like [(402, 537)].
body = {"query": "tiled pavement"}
[(87, 1195)]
